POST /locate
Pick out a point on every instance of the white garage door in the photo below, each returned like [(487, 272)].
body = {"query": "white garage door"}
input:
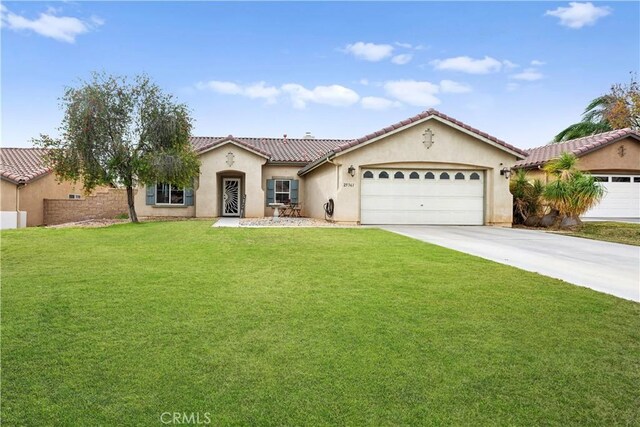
[(392, 196), (621, 199)]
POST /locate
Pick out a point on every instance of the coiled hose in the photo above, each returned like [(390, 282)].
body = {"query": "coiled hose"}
[(328, 210)]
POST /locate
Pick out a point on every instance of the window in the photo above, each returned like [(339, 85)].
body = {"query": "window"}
[(383, 175), (429, 175), (444, 175), (620, 179), (368, 174), (459, 175), (636, 179), (283, 191), (398, 175), (167, 194), (74, 196), (474, 176), (414, 175), (601, 178)]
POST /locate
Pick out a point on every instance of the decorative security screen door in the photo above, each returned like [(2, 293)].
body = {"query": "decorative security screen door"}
[(231, 197)]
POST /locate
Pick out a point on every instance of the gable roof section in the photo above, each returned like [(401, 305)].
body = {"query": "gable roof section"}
[(431, 113), (277, 150), (579, 147), (21, 165)]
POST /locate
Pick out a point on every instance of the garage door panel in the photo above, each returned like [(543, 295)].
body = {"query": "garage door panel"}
[(423, 201), (621, 199)]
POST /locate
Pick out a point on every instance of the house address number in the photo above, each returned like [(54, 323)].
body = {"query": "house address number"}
[(348, 184)]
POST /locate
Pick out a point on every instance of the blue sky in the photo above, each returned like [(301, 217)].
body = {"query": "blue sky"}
[(519, 71)]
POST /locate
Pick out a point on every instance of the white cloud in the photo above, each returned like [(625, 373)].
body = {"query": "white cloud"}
[(404, 45), (369, 51), (537, 63), (377, 103), (334, 95), (418, 93), (402, 59), (469, 65), (512, 86), (449, 86), (509, 65), (364, 82), (578, 15), (61, 28), (258, 90), (529, 74)]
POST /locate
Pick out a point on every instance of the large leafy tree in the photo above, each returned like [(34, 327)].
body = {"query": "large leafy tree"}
[(617, 109), (121, 132)]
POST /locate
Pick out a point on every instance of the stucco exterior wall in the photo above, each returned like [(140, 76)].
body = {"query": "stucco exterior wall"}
[(246, 165), (281, 172), (7, 196), (451, 149), (320, 186), (142, 209), (604, 160), (32, 195)]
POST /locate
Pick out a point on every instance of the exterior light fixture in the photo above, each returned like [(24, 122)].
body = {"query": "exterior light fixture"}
[(506, 172), (351, 170)]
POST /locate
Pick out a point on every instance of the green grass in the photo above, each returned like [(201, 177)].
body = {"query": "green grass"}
[(115, 326), (617, 232)]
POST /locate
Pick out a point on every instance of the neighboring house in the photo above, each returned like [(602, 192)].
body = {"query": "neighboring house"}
[(427, 169), (612, 157), (25, 183)]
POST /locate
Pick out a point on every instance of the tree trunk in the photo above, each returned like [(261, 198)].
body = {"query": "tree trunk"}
[(133, 217)]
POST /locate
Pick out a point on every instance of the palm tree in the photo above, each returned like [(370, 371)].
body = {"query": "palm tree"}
[(594, 120), (526, 196), (573, 192)]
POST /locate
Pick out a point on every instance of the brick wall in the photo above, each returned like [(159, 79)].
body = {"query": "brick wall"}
[(107, 203)]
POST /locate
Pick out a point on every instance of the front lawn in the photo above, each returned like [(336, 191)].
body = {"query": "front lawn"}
[(116, 326), (617, 232)]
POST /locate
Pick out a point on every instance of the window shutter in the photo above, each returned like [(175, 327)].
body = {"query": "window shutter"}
[(294, 191), (188, 196), (151, 195), (271, 191)]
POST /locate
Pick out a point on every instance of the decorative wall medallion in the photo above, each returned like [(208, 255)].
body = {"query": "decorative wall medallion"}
[(230, 158), (622, 151), (427, 138)]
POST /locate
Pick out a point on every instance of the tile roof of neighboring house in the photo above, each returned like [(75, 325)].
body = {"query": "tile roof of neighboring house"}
[(425, 114), (21, 165), (294, 150), (579, 146)]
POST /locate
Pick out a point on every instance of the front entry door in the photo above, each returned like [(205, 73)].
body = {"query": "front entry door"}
[(231, 197)]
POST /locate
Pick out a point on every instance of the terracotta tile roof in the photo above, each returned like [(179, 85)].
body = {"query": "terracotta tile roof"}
[(294, 150), (21, 165), (425, 114), (579, 146)]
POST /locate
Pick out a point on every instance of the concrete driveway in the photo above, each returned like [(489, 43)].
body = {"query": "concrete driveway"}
[(611, 268)]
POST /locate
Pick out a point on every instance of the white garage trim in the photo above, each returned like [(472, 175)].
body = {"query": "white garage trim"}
[(621, 199), (422, 196)]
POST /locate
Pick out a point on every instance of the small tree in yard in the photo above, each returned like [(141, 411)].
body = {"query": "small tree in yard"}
[(122, 133), (527, 196), (573, 192)]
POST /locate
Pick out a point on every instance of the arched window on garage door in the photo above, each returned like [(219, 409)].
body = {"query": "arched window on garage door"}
[(383, 175), (459, 175), (398, 175), (474, 176), (414, 175), (444, 175), (429, 175), (368, 175)]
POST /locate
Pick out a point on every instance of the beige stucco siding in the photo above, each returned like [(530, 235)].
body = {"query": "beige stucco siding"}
[(7, 196), (142, 209), (604, 160), (320, 186), (281, 172), (32, 195), (452, 149)]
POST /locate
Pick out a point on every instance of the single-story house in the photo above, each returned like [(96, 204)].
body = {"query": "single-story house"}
[(612, 157), (25, 182), (427, 169)]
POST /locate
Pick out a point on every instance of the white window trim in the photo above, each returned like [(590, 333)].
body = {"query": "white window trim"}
[(276, 192), (155, 196)]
